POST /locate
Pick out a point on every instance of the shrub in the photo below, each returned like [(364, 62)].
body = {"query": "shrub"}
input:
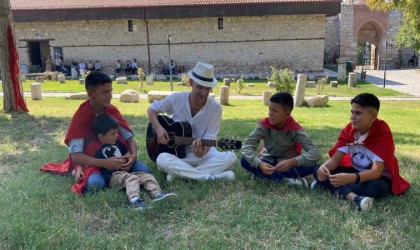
[(283, 80), (320, 84), (35, 69), (239, 84)]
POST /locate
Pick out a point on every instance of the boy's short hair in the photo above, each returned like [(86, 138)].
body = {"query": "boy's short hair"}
[(104, 123), (367, 100), (95, 79), (284, 98)]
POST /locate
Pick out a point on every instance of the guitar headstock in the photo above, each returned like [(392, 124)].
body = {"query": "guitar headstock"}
[(229, 143)]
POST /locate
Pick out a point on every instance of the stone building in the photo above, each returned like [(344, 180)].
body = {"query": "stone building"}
[(237, 36), (363, 36)]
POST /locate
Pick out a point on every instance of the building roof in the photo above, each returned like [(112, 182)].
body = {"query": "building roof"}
[(17, 5)]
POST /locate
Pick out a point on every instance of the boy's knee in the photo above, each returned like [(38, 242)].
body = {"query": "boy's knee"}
[(95, 182)]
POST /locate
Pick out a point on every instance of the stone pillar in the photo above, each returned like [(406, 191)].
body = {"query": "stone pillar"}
[(74, 73), (300, 90), (61, 79), (224, 95), (333, 84), (149, 80), (352, 80), (36, 93), (266, 97), (226, 81), (341, 74)]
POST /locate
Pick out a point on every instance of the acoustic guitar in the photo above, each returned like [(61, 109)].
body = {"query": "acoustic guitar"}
[(180, 135)]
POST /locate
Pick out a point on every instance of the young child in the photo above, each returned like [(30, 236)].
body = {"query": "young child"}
[(109, 145), (362, 164), (283, 139)]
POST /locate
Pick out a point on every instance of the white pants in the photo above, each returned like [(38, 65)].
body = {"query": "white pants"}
[(192, 167)]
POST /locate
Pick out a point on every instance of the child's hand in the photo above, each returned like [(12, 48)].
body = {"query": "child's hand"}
[(266, 168), (79, 174), (323, 173), (129, 161), (338, 180), (285, 165)]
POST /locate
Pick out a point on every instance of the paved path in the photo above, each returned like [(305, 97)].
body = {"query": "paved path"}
[(402, 80)]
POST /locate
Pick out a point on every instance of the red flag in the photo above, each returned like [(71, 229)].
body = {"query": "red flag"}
[(14, 71)]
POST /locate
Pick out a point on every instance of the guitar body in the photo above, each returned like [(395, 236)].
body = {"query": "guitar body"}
[(180, 129)]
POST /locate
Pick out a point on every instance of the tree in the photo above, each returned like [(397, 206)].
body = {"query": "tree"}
[(409, 34), (9, 66)]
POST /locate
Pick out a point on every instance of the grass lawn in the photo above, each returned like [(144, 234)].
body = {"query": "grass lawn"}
[(257, 89), (38, 211)]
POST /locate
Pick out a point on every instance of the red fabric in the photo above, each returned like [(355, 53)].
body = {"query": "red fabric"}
[(380, 142), (81, 127), (14, 71), (291, 125)]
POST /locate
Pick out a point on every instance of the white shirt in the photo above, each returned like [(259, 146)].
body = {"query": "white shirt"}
[(205, 124), (361, 157)]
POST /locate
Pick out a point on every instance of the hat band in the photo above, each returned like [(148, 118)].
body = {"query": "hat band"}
[(202, 78)]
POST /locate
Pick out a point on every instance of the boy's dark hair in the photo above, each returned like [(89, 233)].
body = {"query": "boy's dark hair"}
[(103, 123), (95, 79), (367, 100), (283, 98)]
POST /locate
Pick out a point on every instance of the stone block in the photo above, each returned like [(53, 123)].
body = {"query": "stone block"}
[(121, 80), (352, 82), (149, 79), (300, 90), (266, 97), (334, 84), (61, 79), (39, 79), (270, 84), (129, 96), (82, 81), (158, 95), (226, 81), (250, 85), (77, 96), (160, 77), (341, 71), (54, 75), (36, 93), (317, 101), (134, 77)]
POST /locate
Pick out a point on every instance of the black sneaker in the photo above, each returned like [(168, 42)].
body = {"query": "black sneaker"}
[(364, 203), (314, 184), (139, 204)]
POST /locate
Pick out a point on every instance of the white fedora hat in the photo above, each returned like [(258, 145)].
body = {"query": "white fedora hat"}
[(203, 74)]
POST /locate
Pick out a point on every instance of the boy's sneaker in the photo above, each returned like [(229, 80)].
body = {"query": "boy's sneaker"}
[(226, 176), (364, 203), (161, 195), (169, 178), (297, 182), (139, 204), (314, 184)]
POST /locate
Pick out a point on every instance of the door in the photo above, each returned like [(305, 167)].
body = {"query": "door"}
[(38, 53)]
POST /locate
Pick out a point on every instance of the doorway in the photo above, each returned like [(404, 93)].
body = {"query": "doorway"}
[(38, 53)]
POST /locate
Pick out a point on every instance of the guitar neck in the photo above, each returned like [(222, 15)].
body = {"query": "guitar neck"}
[(189, 140)]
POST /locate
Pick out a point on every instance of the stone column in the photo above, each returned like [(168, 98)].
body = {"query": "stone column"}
[(300, 90), (36, 93), (61, 79), (224, 95), (341, 74), (266, 97), (352, 80)]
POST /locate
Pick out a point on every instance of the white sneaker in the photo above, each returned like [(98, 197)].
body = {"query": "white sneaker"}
[(365, 203), (297, 182), (226, 176), (170, 178), (314, 184)]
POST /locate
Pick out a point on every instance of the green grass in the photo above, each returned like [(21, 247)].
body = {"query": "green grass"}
[(38, 211), (259, 87)]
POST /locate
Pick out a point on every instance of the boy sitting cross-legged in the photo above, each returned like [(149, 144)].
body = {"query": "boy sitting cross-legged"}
[(362, 164), (109, 145), (283, 140)]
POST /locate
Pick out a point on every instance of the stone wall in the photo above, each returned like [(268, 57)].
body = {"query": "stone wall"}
[(332, 33), (248, 45)]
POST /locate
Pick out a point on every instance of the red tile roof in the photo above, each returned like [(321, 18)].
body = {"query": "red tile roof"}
[(94, 4)]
